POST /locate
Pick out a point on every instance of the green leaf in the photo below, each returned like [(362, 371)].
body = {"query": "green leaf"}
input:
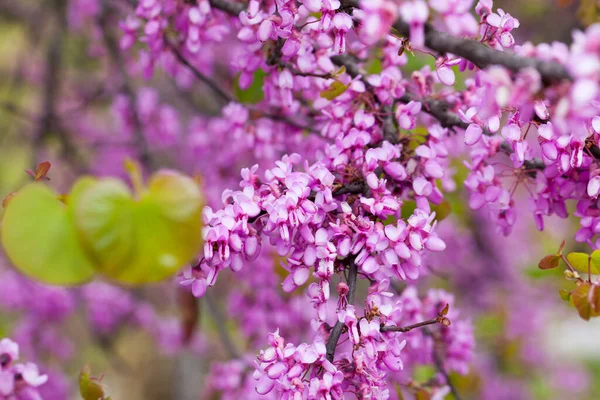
[(595, 262), (442, 210), (39, 237), (579, 261), (255, 92), (565, 294), (334, 90), (374, 66), (423, 373), (408, 209), (141, 240), (90, 388), (549, 262), (104, 219)]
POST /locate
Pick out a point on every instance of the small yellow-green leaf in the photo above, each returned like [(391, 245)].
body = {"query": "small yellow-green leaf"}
[(595, 262), (334, 90), (340, 71), (442, 210), (90, 388), (549, 262), (39, 237), (565, 294), (580, 261)]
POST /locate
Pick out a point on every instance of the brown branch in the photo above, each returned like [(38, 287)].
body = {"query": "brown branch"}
[(336, 332), (356, 187), (226, 97), (478, 53), (439, 319), (213, 85), (439, 365), (214, 311), (115, 54), (229, 7), (409, 327), (390, 130)]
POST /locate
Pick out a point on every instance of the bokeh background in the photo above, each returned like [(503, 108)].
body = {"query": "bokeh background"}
[(57, 104)]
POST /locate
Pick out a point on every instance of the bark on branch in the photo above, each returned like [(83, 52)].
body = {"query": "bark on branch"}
[(336, 332), (478, 53)]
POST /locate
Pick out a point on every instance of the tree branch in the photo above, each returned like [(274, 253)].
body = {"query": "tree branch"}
[(115, 55), (409, 327), (356, 187), (228, 6), (336, 332), (228, 98), (221, 328), (199, 75), (478, 53), (439, 365)]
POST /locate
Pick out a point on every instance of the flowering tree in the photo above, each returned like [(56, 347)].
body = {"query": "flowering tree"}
[(356, 127)]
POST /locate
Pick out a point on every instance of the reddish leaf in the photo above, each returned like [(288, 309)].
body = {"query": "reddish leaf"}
[(42, 170), (564, 3), (560, 249), (7, 198), (594, 298), (549, 262), (580, 300)]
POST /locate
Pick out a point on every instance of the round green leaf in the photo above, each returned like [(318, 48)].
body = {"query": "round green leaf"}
[(40, 239), (169, 228), (579, 261), (595, 262), (141, 240), (104, 218)]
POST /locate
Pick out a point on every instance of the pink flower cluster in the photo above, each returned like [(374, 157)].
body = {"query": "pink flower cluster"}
[(18, 381)]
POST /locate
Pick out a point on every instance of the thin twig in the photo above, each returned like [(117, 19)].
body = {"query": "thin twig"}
[(439, 365), (221, 327), (409, 327), (113, 49), (226, 97)]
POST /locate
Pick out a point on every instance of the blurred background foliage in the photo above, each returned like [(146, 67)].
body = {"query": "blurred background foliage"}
[(133, 366)]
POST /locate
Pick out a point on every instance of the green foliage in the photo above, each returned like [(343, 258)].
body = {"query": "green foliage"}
[(585, 297), (442, 210), (423, 373), (255, 92), (91, 388), (39, 237), (334, 90), (133, 238), (581, 261)]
